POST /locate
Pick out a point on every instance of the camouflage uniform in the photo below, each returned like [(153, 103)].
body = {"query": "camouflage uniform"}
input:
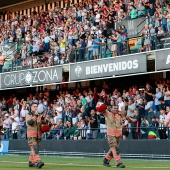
[(34, 135), (114, 135)]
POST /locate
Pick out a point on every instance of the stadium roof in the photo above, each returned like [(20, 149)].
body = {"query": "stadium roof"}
[(6, 3)]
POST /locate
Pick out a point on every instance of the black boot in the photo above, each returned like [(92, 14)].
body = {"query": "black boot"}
[(40, 164), (106, 163), (120, 165), (30, 164)]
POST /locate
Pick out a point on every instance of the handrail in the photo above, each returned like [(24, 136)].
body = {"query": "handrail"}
[(11, 48), (139, 25), (85, 131)]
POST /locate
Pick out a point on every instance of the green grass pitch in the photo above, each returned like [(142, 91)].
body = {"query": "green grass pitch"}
[(15, 162)]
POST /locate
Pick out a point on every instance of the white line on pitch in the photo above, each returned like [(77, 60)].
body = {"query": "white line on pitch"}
[(72, 164)]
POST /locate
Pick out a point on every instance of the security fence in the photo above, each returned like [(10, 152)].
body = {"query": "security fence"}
[(62, 133)]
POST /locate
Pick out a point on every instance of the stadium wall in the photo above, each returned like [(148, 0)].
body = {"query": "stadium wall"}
[(97, 146)]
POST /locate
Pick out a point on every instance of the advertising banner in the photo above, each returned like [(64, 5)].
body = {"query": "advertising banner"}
[(4, 147), (40, 76), (108, 67), (162, 58)]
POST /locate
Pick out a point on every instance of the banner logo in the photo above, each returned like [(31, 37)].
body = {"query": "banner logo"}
[(32, 77), (1, 148), (78, 71), (28, 77)]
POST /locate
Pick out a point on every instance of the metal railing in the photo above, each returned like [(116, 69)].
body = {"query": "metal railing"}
[(8, 49), (68, 56), (86, 133), (129, 46)]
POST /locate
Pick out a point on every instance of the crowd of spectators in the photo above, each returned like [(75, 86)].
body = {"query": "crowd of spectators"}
[(72, 113), (82, 31)]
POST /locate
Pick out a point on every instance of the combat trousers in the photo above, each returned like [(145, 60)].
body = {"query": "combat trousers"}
[(113, 152), (34, 144)]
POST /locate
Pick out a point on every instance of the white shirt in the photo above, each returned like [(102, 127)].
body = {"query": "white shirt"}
[(129, 113), (14, 126), (121, 105), (162, 119), (98, 32), (59, 112), (90, 45), (97, 18), (167, 97), (23, 113), (148, 106), (7, 121), (88, 99), (157, 96), (47, 39), (93, 28), (40, 107)]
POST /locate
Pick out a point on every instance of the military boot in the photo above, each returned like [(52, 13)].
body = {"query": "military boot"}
[(120, 165), (30, 164), (40, 164), (106, 162)]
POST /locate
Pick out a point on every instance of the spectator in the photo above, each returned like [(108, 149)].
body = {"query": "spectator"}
[(167, 120), (133, 13), (125, 129), (144, 125), (168, 22), (40, 106), (114, 44), (80, 133), (22, 128), (90, 48), (14, 128), (146, 34), (6, 126), (2, 60), (141, 10), (157, 96), (152, 36), (164, 22), (162, 103), (120, 104), (69, 131), (162, 129), (93, 124), (160, 34), (131, 108), (135, 124), (148, 94), (166, 94), (119, 43), (141, 108)]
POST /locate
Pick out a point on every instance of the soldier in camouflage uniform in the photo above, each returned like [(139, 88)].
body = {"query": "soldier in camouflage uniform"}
[(114, 135), (34, 134)]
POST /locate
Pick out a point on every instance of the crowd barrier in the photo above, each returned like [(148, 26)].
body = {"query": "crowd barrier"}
[(149, 132), (128, 46)]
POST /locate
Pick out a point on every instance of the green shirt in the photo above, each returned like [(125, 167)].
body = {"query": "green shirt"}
[(84, 103), (133, 14)]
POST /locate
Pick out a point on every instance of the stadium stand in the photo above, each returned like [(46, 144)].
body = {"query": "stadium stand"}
[(67, 31)]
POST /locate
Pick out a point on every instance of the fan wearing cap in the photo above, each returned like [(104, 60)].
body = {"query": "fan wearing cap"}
[(34, 134), (114, 133)]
